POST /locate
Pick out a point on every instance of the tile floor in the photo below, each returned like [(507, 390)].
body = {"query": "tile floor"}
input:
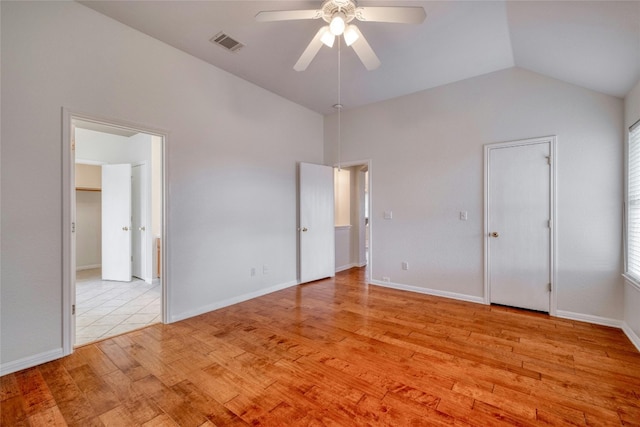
[(105, 308)]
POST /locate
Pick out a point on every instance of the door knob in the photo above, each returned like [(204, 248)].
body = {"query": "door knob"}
[(494, 234), (125, 228), (303, 229), (142, 228)]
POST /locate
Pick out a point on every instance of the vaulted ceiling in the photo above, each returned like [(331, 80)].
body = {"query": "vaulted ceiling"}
[(594, 44)]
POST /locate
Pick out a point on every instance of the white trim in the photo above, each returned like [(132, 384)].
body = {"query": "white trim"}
[(346, 267), (597, 320), (30, 361), (68, 258), (230, 301), (552, 141), (427, 291), (87, 267), (343, 227), (68, 211), (589, 318), (633, 337)]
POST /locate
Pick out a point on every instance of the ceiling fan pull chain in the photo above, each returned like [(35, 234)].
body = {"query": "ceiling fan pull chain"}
[(339, 106)]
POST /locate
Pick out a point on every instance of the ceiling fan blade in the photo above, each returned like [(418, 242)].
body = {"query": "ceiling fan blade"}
[(287, 15), (364, 51), (398, 15), (311, 51)]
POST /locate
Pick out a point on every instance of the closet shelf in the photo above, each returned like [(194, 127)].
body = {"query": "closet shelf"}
[(87, 189)]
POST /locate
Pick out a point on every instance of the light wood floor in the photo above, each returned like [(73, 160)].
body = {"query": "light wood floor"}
[(338, 352)]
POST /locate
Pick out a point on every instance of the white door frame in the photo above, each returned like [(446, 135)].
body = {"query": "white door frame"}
[(69, 218), (368, 163), (551, 140)]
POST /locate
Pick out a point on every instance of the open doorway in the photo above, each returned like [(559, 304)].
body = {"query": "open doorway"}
[(117, 232), (352, 226)]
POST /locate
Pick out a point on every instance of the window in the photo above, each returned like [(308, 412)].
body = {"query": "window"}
[(633, 204)]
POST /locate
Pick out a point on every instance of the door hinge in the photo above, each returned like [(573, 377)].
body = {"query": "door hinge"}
[(549, 223), (73, 309), (548, 159), (73, 227), (549, 287)]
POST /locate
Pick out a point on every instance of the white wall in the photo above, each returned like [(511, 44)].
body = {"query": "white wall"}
[(231, 156), (342, 194), (426, 155), (88, 216), (631, 292), (112, 149), (88, 229)]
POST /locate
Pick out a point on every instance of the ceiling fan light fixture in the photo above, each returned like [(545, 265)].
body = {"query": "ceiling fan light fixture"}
[(351, 35), (328, 38), (338, 23)]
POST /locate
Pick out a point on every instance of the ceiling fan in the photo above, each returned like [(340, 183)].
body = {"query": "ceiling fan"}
[(339, 14)]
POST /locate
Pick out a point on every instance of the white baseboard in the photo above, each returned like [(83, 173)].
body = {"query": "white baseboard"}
[(88, 267), (597, 320), (633, 337), (231, 301), (604, 321), (346, 267), (30, 361), (427, 291)]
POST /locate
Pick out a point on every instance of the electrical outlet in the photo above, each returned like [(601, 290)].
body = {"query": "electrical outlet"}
[(253, 271), (463, 215), (405, 265), (388, 215), (386, 279), (265, 269)]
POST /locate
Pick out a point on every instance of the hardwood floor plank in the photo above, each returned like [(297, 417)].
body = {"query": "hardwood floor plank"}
[(209, 407), (12, 412), (177, 408), (142, 410), (545, 417), (162, 420), (118, 417), (340, 352), (49, 417), (34, 391), (9, 387), (96, 359)]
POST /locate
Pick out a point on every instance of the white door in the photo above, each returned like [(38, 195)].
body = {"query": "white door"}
[(138, 223), (519, 225), (116, 222), (317, 227)]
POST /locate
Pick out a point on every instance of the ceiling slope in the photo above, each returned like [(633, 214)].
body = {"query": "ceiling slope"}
[(592, 44)]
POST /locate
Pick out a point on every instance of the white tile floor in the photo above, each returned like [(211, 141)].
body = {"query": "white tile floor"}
[(105, 308)]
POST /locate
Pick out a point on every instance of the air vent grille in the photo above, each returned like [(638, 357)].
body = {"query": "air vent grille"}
[(230, 44)]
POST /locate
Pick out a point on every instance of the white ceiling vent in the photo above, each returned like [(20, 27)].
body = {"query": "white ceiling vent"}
[(226, 42)]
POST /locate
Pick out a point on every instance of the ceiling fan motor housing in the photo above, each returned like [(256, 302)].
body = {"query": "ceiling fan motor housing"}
[(331, 7)]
